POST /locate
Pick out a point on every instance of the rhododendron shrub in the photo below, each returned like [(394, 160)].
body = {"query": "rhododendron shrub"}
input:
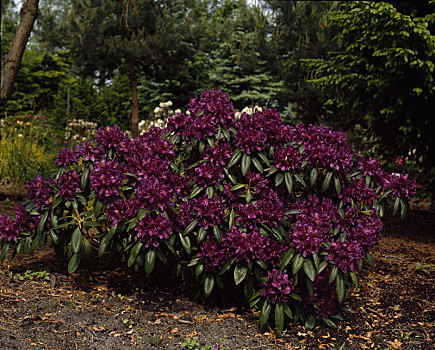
[(285, 214)]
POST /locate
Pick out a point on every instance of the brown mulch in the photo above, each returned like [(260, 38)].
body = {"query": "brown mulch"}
[(111, 307)]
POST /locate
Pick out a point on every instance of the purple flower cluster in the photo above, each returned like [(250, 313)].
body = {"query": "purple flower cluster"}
[(219, 155), (206, 174), (209, 212), (370, 167), (241, 245), (365, 229), (89, 152), (278, 287), (9, 230), (41, 191), (211, 109), (153, 228), (152, 193), (68, 183), (323, 147), (122, 210), (287, 158), (110, 137), (66, 157), (402, 185), (312, 225), (106, 178), (359, 191), (268, 210), (346, 255)]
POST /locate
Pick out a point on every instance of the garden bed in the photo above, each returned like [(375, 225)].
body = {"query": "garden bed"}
[(112, 307)]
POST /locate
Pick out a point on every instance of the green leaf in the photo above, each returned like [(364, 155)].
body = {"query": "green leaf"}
[(257, 164), (286, 257), (201, 235), (226, 267), (370, 259), (230, 176), (327, 181), (234, 158), (300, 179), (53, 219), (296, 296), (339, 287), (97, 208), (231, 219), (246, 163), (337, 184), (322, 266), (237, 187), (133, 254), (210, 192), (248, 196), (195, 192), (264, 159), (185, 241), (208, 286), (240, 272), (313, 176), (279, 317), (310, 322), (201, 147), (41, 224), (5, 248), (73, 263), (298, 261), (309, 269), (333, 274), (217, 233), (279, 178), (54, 237), (105, 241), (265, 312), (402, 209), (150, 260), (84, 178), (199, 269), (329, 323), (56, 202), (316, 260), (288, 311), (396, 205), (288, 182), (190, 227), (76, 240), (354, 279)]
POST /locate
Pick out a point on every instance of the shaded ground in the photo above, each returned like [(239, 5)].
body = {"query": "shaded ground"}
[(110, 307)]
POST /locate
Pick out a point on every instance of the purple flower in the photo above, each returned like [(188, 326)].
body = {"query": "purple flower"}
[(9, 230), (66, 157), (110, 137), (209, 212), (250, 136), (122, 210), (152, 194), (153, 228), (219, 155), (207, 174), (248, 245), (359, 191), (106, 178), (287, 158), (68, 183), (40, 190), (346, 255), (25, 222), (89, 152), (212, 255), (370, 167), (278, 287), (401, 185)]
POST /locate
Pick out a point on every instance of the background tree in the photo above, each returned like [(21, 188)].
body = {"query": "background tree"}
[(12, 60), (382, 77)]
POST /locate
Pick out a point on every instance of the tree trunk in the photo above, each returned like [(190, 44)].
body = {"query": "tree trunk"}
[(11, 62), (134, 97)]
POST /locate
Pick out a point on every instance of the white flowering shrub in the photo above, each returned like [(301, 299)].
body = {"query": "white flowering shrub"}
[(160, 117), (80, 130)]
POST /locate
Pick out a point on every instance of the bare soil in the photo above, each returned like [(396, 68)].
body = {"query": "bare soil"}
[(108, 306)]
